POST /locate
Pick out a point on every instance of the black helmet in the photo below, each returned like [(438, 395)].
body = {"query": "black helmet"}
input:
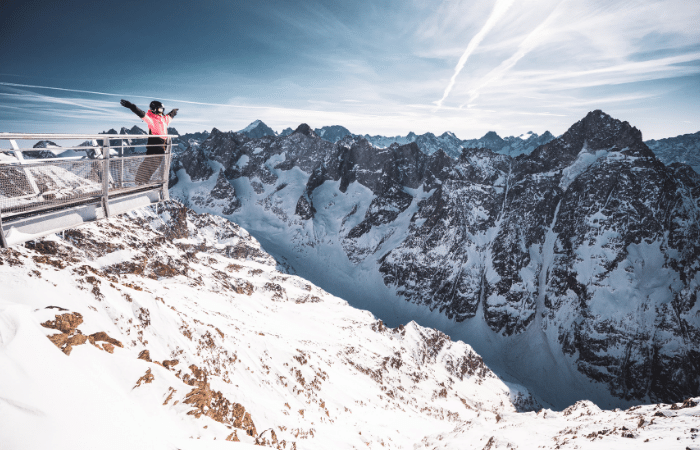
[(155, 106)]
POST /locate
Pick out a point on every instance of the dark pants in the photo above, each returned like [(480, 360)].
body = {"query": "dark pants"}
[(154, 146)]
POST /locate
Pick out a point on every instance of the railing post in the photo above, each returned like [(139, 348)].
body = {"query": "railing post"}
[(121, 165), (3, 241), (27, 173), (105, 177), (165, 194)]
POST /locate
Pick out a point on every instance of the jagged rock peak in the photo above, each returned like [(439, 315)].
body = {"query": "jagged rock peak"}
[(257, 129), (45, 144), (133, 130), (305, 130), (601, 130), (332, 133), (492, 135)]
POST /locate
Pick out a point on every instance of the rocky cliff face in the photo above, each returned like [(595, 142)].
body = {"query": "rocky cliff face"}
[(584, 254)]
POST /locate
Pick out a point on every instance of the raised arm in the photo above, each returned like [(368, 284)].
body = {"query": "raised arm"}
[(173, 112), (135, 109)]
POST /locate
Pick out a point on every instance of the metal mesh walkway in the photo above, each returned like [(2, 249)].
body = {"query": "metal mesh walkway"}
[(95, 176)]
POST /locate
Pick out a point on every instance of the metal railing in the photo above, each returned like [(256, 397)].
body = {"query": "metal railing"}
[(102, 172)]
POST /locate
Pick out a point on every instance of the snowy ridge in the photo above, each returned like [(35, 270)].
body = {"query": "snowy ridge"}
[(459, 245), (177, 327)]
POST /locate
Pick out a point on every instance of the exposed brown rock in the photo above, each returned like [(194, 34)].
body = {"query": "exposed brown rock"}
[(200, 398), (145, 379), (267, 438), (170, 396), (145, 355), (199, 374), (102, 336), (689, 403), (170, 363), (78, 339), (161, 270), (213, 404), (66, 323), (109, 348), (59, 339), (244, 420), (243, 287)]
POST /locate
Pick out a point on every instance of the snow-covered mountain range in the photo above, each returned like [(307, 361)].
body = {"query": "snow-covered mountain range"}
[(684, 149), (167, 329), (428, 142), (573, 270)]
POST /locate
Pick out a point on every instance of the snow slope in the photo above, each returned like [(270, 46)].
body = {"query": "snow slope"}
[(158, 330), (173, 330)]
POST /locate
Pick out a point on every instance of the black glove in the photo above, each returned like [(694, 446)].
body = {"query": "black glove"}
[(133, 108), (173, 113)]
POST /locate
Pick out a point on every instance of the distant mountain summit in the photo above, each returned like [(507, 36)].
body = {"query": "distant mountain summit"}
[(511, 145), (286, 132), (333, 133), (448, 142), (305, 130), (680, 149), (257, 129)]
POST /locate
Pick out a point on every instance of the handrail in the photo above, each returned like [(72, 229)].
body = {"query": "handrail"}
[(35, 187), (46, 136)]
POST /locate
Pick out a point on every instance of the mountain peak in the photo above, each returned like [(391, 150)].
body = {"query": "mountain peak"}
[(305, 130), (600, 130), (257, 129), (492, 135), (332, 133)]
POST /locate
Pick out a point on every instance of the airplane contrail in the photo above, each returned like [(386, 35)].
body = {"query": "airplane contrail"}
[(125, 95), (530, 42), (499, 9)]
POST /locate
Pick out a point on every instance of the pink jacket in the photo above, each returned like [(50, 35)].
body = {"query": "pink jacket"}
[(157, 124)]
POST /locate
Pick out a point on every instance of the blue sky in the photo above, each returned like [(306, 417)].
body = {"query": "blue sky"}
[(383, 67)]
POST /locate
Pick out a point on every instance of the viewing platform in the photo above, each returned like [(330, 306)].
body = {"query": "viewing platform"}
[(49, 188)]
